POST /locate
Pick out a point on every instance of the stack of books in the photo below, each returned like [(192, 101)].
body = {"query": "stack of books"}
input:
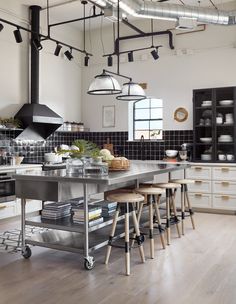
[(108, 208), (55, 211), (94, 215)]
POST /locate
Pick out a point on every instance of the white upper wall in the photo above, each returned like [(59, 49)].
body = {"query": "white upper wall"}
[(60, 80), (200, 60)]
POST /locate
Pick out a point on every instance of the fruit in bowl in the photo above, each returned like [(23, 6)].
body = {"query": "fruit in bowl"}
[(171, 153)]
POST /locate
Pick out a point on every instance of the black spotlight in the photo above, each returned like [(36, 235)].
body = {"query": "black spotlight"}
[(37, 44), (86, 60), (1, 27), (155, 54), (57, 50), (17, 35), (130, 56), (69, 55), (109, 60)]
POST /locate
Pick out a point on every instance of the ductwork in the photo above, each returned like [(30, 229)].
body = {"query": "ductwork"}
[(155, 10)]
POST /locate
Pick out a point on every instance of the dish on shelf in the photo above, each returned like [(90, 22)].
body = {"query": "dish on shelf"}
[(207, 114), (226, 102), (206, 103), (205, 156), (206, 139), (225, 140)]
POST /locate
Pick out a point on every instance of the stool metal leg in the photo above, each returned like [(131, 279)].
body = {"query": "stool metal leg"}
[(168, 215), (115, 218), (127, 252), (156, 206), (140, 209), (189, 207), (137, 231), (175, 214), (151, 227), (182, 208)]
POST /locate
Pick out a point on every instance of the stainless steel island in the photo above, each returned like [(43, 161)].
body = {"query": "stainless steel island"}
[(58, 186)]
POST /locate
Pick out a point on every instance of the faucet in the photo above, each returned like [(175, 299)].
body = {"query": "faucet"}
[(142, 150)]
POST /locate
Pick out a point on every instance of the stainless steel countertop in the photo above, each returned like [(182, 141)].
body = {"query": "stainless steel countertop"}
[(138, 170), (6, 168)]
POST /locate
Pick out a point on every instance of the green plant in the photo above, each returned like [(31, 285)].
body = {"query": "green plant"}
[(155, 133), (11, 121), (81, 148)]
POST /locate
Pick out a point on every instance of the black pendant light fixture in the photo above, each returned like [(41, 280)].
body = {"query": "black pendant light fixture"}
[(69, 55), (106, 84), (57, 49)]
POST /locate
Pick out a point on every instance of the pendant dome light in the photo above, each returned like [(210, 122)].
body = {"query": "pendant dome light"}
[(131, 92), (104, 84)]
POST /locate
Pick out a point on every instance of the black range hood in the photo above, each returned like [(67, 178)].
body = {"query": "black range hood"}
[(38, 120)]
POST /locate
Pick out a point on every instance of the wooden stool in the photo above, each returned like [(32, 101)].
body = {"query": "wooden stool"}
[(185, 202), (150, 193), (127, 199), (170, 203)]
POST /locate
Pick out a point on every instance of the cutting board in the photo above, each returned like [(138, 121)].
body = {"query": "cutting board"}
[(109, 146)]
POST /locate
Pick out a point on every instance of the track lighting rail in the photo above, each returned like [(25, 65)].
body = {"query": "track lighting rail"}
[(134, 50), (44, 37)]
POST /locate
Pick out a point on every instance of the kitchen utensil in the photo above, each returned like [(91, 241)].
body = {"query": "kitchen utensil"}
[(207, 122), (205, 156), (171, 153), (229, 157), (222, 157), (226, 102), (183, 154), (18, 160), (219, 120), (206, 139), (109, 146)]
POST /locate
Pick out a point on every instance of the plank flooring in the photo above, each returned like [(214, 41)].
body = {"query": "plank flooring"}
[(198, 268)]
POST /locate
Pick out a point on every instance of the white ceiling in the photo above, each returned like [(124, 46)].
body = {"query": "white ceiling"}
[(62, 10)]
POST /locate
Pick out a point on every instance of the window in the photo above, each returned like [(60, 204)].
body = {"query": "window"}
[(146, 119)]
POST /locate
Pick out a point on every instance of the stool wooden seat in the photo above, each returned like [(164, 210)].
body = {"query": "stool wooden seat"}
[(170, 204), (150, 193), (182, 181), (185, 202), (127, 199)]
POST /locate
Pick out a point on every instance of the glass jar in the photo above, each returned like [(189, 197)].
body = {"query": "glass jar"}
[(74, 166)]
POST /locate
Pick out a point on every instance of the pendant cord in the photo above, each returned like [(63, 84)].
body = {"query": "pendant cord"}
[(118, 36)]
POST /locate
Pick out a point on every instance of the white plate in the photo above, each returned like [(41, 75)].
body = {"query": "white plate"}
[(226, 102), (206, 139), (225, 140)]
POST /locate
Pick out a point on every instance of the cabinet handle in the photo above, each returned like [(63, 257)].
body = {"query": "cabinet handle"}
[(198, 182), (225, 169), (225, 184), (198, 168), (225, 197), (198, 194)]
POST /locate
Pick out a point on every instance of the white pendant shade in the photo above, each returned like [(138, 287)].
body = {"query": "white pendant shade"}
[(104, 84), (131, 92)]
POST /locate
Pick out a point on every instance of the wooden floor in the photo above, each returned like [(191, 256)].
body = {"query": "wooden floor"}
[(199, 268)]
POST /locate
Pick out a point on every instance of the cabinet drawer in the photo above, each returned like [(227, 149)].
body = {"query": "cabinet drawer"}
[(224, 173), (199, 172), (201, 186), (223, 187), (224, 202), (7, 210), (200, 200)]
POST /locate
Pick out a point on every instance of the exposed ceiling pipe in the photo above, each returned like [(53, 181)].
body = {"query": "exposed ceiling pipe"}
[(156, 10)]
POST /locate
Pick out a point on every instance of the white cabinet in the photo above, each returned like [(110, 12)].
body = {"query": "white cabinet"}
[(13, 208), (214, 187)]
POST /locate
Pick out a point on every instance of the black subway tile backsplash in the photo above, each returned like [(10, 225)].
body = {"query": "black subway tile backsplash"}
[(34, 152)]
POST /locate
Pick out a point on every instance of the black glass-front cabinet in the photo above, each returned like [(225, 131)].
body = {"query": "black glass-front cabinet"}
[(214, 116)]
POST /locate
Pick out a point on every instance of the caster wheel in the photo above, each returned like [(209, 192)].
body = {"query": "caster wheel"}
[(89, 265), (26, 253), (142, 237)]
